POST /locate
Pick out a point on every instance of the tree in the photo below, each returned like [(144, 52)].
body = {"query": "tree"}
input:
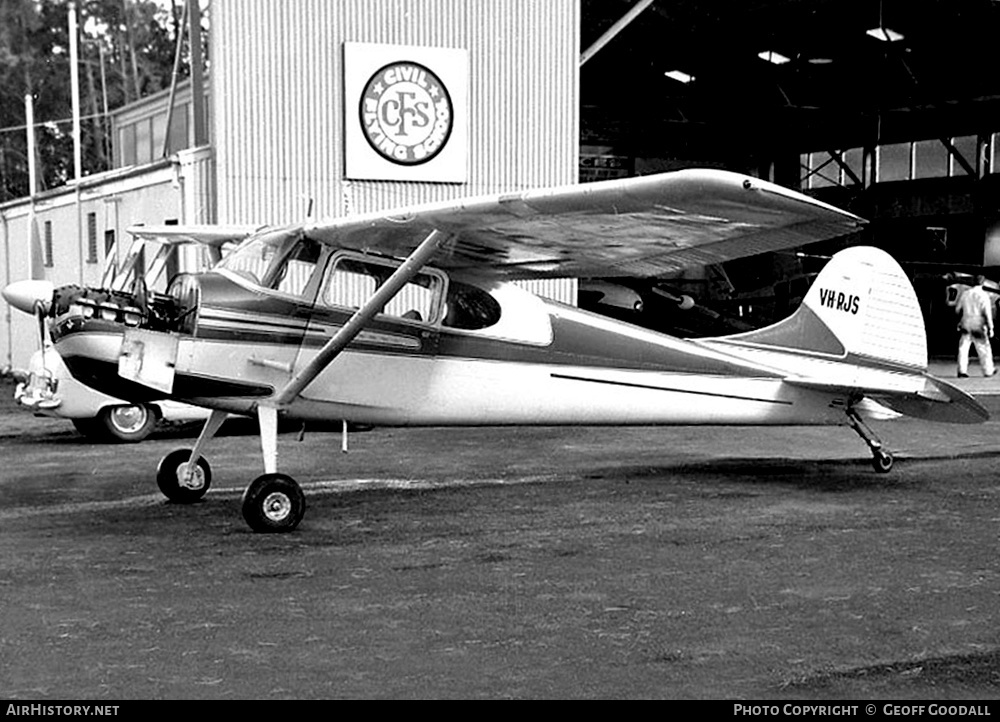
[(126, 51)]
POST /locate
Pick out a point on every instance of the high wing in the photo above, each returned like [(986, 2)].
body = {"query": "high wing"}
[(638, 227)]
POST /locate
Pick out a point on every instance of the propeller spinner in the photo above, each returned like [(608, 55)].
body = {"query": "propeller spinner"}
[(28, 295)]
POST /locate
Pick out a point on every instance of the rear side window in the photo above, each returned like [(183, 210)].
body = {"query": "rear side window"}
[(470, 308), (352, 281)]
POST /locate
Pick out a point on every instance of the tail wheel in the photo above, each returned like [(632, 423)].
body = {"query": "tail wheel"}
[(882, 462), (176, 483), (273, 503)]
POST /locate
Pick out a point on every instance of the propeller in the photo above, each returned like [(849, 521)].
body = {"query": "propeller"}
[(34, 297), (29, 294)]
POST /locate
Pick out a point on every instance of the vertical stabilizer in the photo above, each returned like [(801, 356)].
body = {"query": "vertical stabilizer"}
[(861, 305), (868, 303)]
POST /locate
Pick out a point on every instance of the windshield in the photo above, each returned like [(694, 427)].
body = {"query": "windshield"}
[(254, 256)]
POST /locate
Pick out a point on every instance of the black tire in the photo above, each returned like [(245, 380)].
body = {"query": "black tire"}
[(168, 477), (125, 424), (273, 503), (882, 462)]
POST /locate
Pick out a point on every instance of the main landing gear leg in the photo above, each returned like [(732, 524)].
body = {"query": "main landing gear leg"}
[(881, 459), (184, 474), (273, 502)]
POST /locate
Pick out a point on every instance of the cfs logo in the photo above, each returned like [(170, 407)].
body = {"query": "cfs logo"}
[(406, 113)]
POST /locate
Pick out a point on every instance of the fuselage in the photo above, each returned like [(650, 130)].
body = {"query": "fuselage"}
[(545, 364)]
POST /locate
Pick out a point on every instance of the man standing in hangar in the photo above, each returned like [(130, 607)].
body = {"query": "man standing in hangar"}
[(975, 327)]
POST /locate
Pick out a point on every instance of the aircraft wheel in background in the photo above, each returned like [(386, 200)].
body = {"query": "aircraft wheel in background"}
[(127, 423), (123, 424), (882, 462), (273, 503), (170, 477)]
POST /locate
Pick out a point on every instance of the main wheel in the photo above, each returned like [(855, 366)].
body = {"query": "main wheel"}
[(127, 424), (170, 477), (273, 503), (882, 461)]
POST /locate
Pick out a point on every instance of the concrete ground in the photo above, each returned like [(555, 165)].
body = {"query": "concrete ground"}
[(725, 563)]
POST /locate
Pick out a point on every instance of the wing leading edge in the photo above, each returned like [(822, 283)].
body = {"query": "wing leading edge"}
[(640, 227)]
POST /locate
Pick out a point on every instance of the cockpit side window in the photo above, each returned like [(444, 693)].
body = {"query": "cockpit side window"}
[(352, 281)]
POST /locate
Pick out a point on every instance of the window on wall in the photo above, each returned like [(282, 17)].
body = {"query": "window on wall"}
[(48, 245), (930, 159), (91, 238), (968, 147), (855, 160), (824, 171), (821, 169), (894, 162)]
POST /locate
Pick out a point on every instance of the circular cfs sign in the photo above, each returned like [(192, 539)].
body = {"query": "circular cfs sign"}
[(406, 113)]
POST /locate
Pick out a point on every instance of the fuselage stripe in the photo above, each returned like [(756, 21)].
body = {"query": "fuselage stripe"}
[(628, 384)]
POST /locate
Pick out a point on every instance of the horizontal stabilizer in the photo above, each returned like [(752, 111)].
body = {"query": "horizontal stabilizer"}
[(922, 397), (939, 401)]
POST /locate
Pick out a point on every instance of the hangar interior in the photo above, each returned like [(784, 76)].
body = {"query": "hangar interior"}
[(887, 108)]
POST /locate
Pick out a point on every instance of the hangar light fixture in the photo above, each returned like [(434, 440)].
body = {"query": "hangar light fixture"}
[(679, 75), (773, 57), (885, 34)]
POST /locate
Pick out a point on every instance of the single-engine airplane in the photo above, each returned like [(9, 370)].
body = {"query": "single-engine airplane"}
[(412, 318)]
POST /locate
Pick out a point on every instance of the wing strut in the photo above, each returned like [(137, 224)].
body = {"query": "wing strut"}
[(356, 324)]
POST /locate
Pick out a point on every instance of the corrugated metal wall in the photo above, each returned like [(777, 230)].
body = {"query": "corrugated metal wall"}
[(277, 79)]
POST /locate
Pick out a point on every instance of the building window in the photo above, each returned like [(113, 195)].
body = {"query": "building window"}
[(930, 159), (91, 238), (894, 162), (48, 245), (822, 169), (967, 147), (855, 160)]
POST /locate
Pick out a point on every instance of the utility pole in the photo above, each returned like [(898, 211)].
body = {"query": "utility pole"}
[(74, 66), (197, 79)]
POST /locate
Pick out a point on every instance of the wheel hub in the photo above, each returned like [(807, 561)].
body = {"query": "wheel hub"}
[(277, 506), (190, 476), (129, 418)]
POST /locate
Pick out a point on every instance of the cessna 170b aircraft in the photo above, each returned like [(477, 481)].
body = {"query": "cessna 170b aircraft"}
[(412, 318)]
